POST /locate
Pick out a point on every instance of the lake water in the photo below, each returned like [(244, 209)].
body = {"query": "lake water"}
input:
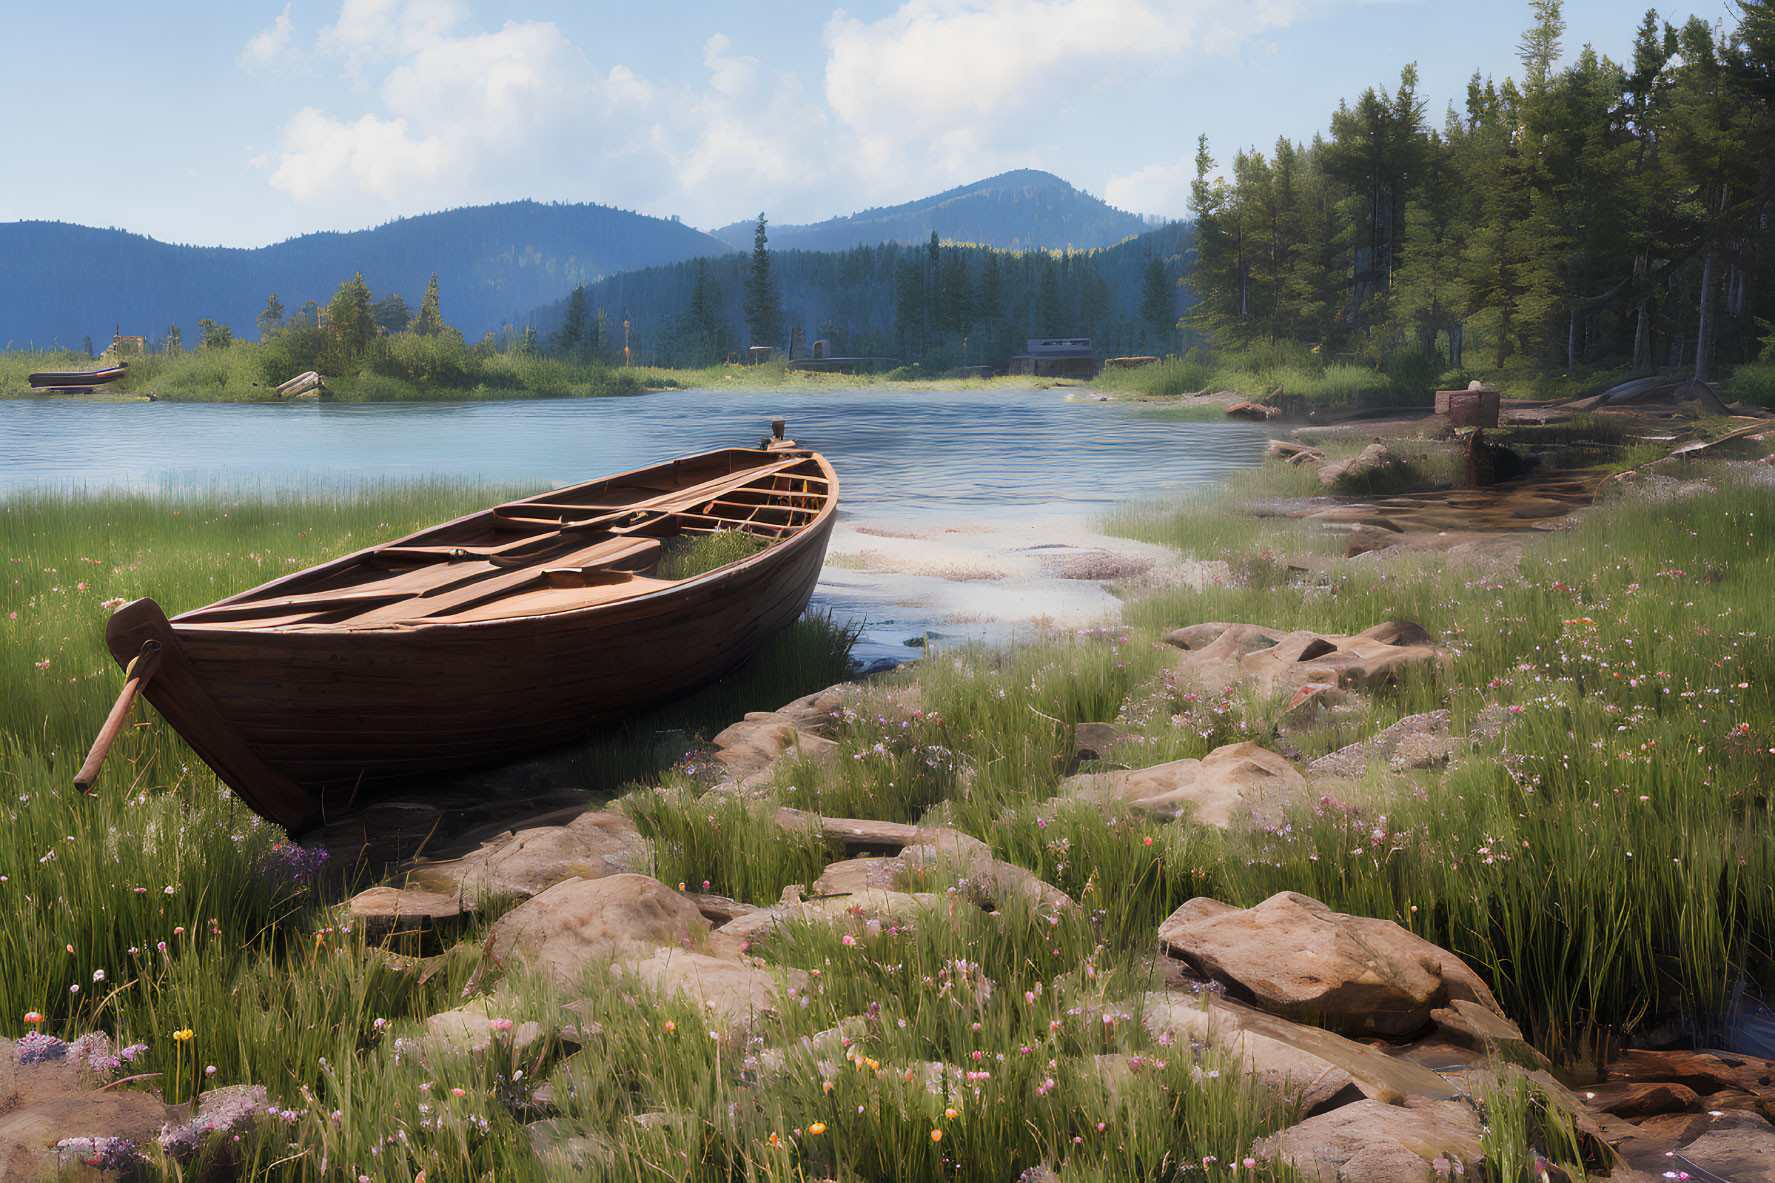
[(905, 458)]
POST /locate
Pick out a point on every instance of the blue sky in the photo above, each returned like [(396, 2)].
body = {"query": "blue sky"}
[(244, 123)]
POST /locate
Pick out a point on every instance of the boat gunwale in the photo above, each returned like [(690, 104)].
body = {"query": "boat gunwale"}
[(772, 553)]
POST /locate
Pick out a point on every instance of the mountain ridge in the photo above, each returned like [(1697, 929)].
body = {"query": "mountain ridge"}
[(989, 212), (61, 281)]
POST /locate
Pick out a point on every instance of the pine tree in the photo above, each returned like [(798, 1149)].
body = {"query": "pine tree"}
[(1158, 303), (572, 337), (391, 313), (175, 341), (1540, 47), (430, 321), (272, 318), (349, 311), (763, 305)]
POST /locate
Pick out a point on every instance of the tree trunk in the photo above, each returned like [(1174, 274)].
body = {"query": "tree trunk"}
[(1456, 338), (1704, 332), (1571, 340)]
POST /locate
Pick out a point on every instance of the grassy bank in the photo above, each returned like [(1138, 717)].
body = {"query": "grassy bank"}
[(1602, 858)]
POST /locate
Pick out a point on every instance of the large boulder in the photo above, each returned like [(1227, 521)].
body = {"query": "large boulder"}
[(1296, 957), (1226, 783), (586, 922), (1317, 1069), (1372, 1142)]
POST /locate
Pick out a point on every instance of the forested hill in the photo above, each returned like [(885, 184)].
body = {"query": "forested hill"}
[(494, 262), (1022, 210), (941, 305)]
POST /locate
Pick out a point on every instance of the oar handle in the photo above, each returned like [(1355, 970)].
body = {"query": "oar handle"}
[(139, 674)]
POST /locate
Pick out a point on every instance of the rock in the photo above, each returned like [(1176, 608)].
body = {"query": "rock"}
[(1370, 459), (934, 857), (469, 1029), (816, 713), (589, 845), (1741, 1153), (1705, 1072), (1218, 656), (860, 874), (1416, 741), (757, 742), (725, 990), (856, 835), (384, 910), (1478, 1028), (1229, 781), (1298, 958), (1199, 636), (942, 856), (1679, 1129), (585, 922), (56, 1100), (718, 909), (1637, 1101), (1096, 741), (1372, 1142), (1319, 1069), (865, 910)]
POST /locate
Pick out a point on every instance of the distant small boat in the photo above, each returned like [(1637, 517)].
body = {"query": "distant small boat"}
[(69, 381), (481, 638)]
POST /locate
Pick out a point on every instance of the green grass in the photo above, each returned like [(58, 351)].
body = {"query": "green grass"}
[(1602, 860), (689, 555), (1328, 385)]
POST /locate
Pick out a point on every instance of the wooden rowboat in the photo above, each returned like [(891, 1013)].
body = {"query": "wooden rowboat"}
[(518, 626), (71, 381)]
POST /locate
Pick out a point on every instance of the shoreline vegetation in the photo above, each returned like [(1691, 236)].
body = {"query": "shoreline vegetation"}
[(247, 371), (1595, 847)]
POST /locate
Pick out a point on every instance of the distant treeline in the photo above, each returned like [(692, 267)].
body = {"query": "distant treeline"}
[(935, 304), (1605, 215)]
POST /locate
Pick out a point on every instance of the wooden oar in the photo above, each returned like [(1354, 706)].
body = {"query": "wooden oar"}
[(139, 674)]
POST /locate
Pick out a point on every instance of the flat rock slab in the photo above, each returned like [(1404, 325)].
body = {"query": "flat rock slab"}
[(1296, 957), (1704, 1071), (1635, 1102), (1319, 1069), (1741, 1153), (1228, 783), (1372, 1142), (582, 923)]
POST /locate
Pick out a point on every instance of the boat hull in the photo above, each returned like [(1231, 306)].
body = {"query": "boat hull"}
[(295, 722)]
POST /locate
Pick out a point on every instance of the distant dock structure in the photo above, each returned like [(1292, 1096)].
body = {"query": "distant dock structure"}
[(1056, 357)]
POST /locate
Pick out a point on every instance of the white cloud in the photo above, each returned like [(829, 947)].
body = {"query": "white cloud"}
[(1155, 189), (977, 80), (270, 47), (375, 29), (322, 156), (936, 93)]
